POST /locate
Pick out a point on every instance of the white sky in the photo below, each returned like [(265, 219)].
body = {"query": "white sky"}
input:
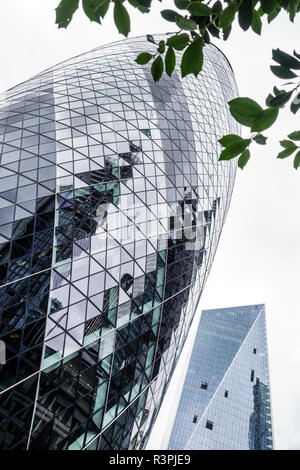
[(258, 258)]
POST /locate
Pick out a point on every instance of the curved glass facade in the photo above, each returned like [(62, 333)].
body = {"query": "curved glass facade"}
[(112, 201)]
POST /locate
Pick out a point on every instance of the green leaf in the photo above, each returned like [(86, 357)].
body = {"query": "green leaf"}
[(157, 68), (244, 110), (186, 24), (286, 153), (277, 91), (288, 144), (226, 32), (192, 59), (245, 107), (65, 12), (227, 16), (141, 8), (245, 14), (273, 14), (145, 3), (268, 5), (214, 31), (121, 18), (294, 135), (260, 139), (198, 9), (170, 61), (179, 41), (143, 58), (282, 72), (260, 11), (292, 9), (256, 24), (285, 59), (244, 120), (269, 98), (229, 139), (94, 9), (161, 47), (281, 99), (245, 155), (181, 4), (170, 15), (295, 105), (264, 120), (297, 160), (234, 149), (217, 7), (206, 37)]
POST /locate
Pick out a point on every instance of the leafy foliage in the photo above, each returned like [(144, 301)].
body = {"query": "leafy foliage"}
[(94, 9), (65, 12), (245, 155), (234, 149), (170, 61), (157, 68), (289, 148), (198, 21), (192, 58), (179, 42), (143, 58), (121, 18)]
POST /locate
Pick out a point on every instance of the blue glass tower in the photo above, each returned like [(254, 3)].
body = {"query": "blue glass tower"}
[(225, 401)]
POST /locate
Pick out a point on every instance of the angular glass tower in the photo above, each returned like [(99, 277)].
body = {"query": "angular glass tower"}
[(225, 401), (99, 278)]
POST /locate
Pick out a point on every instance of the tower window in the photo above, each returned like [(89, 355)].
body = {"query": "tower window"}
[(252, 375), (226, 394), (254, 350), (204, 385), (195, 419), (209, 425), (147, 132)]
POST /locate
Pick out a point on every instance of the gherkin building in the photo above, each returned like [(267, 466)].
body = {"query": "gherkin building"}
[(112, 201)]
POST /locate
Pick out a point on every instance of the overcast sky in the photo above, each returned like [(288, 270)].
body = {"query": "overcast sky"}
[(258, 258)]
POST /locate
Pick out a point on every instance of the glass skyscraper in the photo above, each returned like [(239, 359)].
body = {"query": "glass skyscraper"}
[(225, 401), (112, 201)]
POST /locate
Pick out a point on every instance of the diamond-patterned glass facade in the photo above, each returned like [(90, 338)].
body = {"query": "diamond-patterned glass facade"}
[(233, 410), (99, 279)]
